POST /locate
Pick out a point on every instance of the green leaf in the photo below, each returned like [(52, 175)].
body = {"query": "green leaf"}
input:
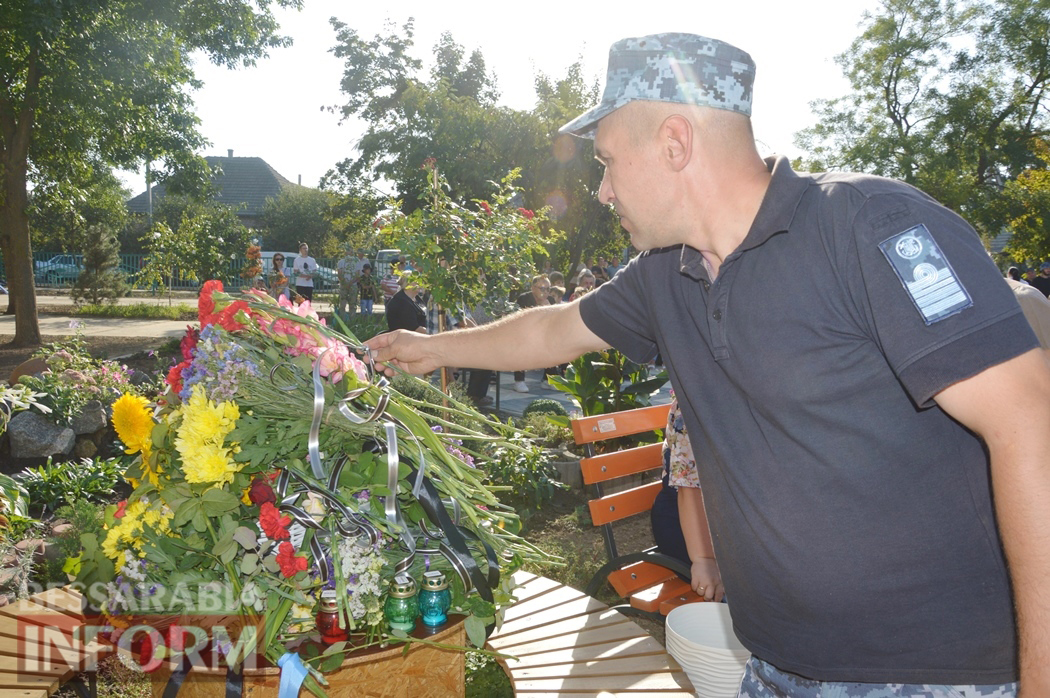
[(249, 563), (247, 538), (475, 628), (218, 502)]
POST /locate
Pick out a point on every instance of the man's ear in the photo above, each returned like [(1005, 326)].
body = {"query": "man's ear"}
[(676, 141)]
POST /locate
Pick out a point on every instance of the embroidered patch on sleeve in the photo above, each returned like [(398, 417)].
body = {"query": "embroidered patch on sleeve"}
[(925, 274)]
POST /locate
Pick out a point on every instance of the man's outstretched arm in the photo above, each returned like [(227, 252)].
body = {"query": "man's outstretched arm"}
[(533, 338), (1017, 433)]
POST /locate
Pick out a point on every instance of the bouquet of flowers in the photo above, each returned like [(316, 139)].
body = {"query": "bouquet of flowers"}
[(279, 468)]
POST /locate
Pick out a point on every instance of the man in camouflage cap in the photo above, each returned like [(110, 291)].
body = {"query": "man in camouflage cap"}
[(847, 361)]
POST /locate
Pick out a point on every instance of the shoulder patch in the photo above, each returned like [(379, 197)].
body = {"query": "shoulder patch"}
[(925, 273)]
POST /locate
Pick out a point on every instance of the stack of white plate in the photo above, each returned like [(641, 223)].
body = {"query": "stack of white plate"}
[(700, 637)]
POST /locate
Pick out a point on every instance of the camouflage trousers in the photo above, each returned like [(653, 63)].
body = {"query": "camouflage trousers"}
[(763, 680)]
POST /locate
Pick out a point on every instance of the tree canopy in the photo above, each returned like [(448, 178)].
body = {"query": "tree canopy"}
[(949, 96), (88, 85)]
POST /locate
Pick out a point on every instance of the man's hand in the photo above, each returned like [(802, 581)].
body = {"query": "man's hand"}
[(705, 579), (405, 350)]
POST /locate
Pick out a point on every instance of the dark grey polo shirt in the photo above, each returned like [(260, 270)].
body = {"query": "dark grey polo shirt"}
[(852, 518)]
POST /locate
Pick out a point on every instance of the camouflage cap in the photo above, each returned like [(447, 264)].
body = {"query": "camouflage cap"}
[(683, 68)]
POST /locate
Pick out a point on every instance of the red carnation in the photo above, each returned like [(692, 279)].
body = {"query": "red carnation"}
[(189, 342), (227, 318), (272, 523), (485, 207), (119, 513), (174, 378), (289, 562), (527, 213), (260, 493), (206, 304)]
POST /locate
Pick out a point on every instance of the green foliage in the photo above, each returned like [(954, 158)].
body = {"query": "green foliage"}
[(1027, 204), (450, 116), (361, 326), (945, 96), (485, 678), (17, 398), (543, 406), (530, 478), (300, 214), (549, 430), (61, 213), (89, 86), (607, 381), (101, 279), (180, 311), (465, 256), (62, 483), (74, 378), (14, 507)]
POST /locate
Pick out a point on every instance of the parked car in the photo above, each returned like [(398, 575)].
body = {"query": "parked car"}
[(383, 260), (60, 270)]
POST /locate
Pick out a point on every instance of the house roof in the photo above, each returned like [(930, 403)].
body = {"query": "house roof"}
[(245, 184)]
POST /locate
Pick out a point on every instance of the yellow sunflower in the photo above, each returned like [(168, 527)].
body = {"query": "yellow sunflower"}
[(134, 423)]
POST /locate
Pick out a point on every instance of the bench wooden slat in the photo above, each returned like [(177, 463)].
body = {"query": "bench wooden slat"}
[(588, 430), (638, 576), (621, 505), (652, 598), (668, 605), (650, 663), (571, 637), (28, 681), (569, 684), (605, 694), (552, 614), (565, 596), (590, 622), (609, 466), (23, 693), (629, 647)]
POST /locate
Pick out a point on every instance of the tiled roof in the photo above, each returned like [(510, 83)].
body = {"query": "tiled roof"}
[(245, 184)]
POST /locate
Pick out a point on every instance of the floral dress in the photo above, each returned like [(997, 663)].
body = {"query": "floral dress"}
[(682, 464)]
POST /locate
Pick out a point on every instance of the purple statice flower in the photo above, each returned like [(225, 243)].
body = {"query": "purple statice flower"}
[(363, 496)]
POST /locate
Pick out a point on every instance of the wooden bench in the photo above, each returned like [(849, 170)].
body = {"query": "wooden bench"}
[(40, 649), (625, 483), (564, 642)]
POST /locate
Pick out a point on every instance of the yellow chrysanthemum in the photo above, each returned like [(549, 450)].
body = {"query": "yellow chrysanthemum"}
[(209, 463), (127, 533), (133, 423), (200, 439)]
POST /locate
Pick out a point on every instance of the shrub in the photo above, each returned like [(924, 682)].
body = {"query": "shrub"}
[(53, 484), (74, 379), (179, 311), (101, 279), (531, 479), (549, 431), (544, 406)]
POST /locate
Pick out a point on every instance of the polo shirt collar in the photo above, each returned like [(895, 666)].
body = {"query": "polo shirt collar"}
[(774, 215)]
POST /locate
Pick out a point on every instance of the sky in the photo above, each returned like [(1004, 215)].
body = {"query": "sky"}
[(274, 110)]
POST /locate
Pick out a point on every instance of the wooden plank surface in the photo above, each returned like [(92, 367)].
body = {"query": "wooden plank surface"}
[(564, 643)]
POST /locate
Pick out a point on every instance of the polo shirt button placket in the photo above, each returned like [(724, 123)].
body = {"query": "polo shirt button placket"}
[(717, 315)]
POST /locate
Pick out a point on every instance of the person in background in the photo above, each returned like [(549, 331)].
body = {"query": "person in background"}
[(557, 286), (367, 290), (1015, 274), (1036, 309), (404, 311), (1041, 281), (678, 518), (539, 295), (868, 405), (587, 283), (347, 273), (278, 278), (305, 269), (389, 284)]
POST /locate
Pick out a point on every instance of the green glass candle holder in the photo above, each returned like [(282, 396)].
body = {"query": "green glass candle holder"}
[(401, 606), (434, 599)]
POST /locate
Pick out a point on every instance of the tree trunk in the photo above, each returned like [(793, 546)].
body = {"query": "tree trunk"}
[(18, 254), (16, 124)]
